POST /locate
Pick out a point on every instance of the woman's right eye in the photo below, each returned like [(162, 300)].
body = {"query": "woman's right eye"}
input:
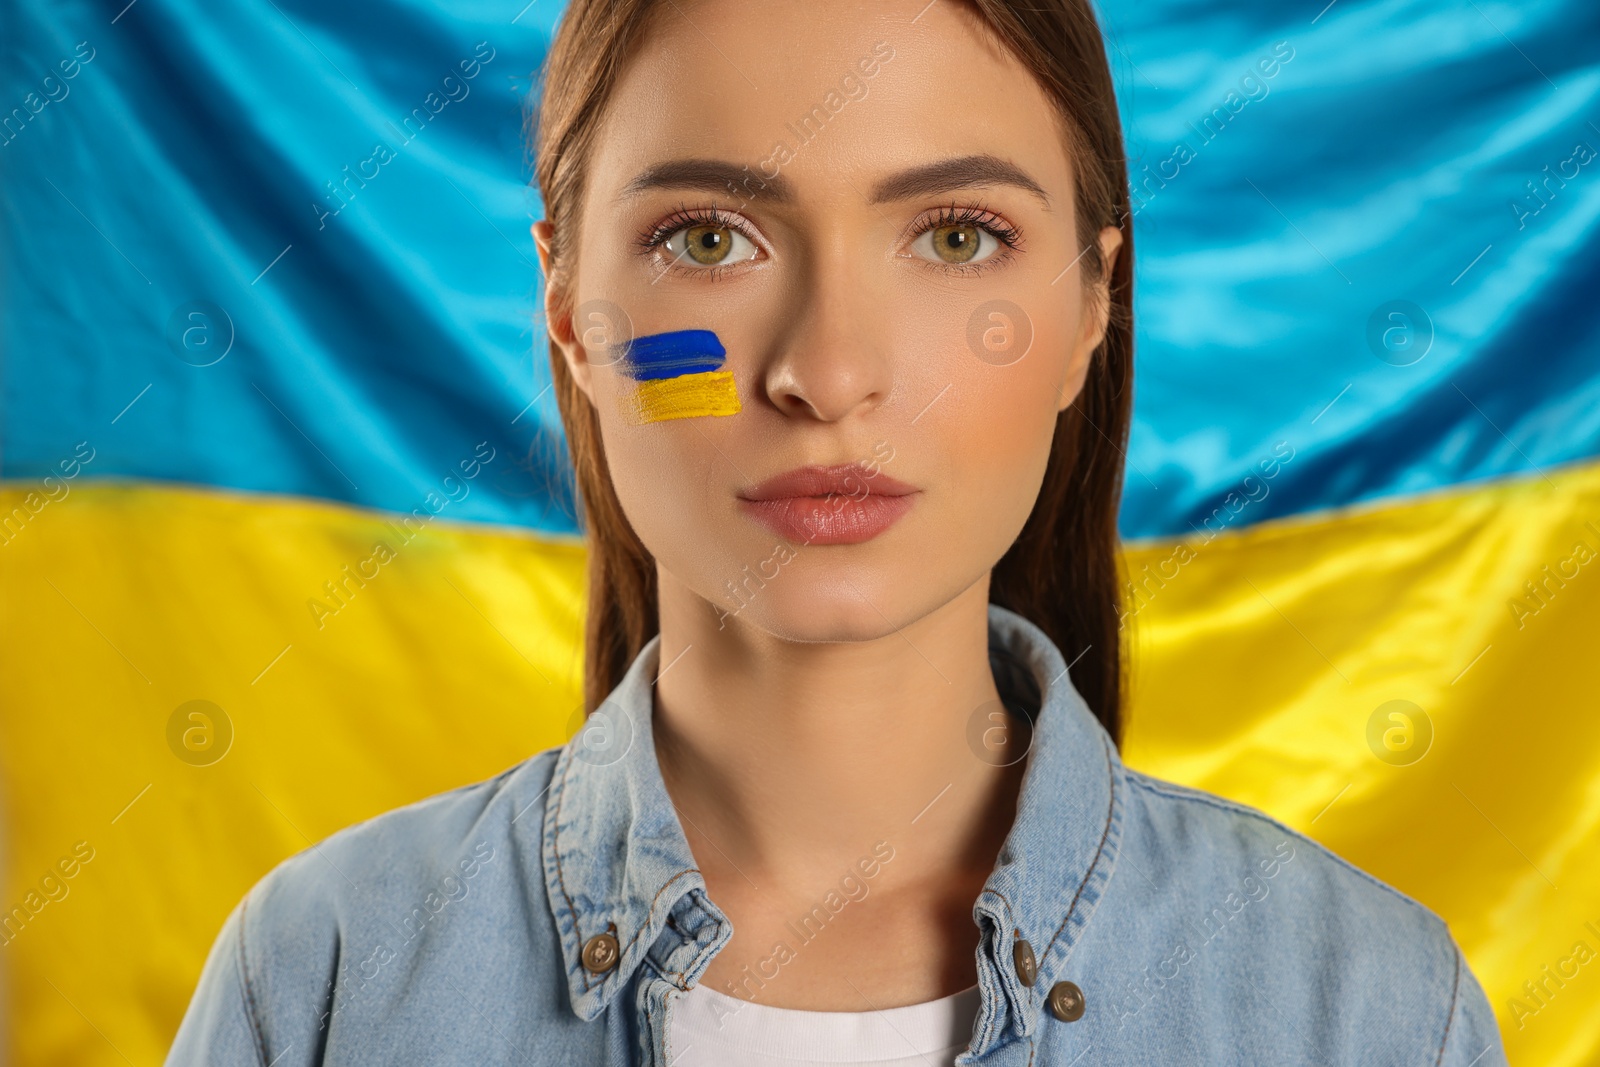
[(703, 245)]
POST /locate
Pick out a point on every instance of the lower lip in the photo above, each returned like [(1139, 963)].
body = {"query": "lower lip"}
[(833, 520)]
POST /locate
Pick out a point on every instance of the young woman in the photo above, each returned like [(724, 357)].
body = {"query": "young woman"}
[(839, 300)]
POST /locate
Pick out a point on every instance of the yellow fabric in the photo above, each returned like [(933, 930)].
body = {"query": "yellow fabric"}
[(1262, 656), (124, 602), (1258, 666)]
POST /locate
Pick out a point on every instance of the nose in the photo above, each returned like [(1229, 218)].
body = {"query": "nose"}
[(834, 361)]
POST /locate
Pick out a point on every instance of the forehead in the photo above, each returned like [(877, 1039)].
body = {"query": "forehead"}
[(849, 88)]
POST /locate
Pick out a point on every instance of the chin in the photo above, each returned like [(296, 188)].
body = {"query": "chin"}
[(833, 609)]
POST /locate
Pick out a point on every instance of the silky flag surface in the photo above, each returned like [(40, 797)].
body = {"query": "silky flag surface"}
[(287, 532)]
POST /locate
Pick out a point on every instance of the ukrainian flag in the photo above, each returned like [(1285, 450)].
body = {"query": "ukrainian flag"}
[(287, 534)]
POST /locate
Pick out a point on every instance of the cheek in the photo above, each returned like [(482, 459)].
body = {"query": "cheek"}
[(1004, 440), (660, 470), (674, 480), (974, 428), (674, 476), (1000, 424)]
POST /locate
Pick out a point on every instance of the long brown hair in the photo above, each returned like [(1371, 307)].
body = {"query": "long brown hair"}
[(1064, 571)]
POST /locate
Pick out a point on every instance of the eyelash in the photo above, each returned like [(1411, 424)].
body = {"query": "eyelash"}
[(978, 215), (653, 237)]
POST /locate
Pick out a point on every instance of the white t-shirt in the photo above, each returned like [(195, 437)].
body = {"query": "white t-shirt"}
[(712, 1029)]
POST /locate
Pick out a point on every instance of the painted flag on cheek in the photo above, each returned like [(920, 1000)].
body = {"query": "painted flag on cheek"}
[(679, 376)]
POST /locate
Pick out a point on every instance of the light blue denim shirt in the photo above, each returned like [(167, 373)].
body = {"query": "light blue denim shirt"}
[(1170, 926)]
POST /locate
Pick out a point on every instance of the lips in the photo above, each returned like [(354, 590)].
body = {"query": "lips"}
[(844, 504)]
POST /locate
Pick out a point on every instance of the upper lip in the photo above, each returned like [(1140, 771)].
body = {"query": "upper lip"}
[(841, 479)]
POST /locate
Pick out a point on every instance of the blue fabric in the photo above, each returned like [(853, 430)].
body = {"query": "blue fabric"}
[(199, 158), (463, 929), (178, 191), (1374, 167)]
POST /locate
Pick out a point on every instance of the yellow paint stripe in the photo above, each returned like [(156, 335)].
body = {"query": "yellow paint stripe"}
[(1262, 655), (687, 396)]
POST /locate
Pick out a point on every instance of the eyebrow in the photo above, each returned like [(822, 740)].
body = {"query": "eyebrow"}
[(929, 179), (947, 175)]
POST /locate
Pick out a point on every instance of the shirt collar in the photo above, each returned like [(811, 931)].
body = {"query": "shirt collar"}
[(616, 859), (1056, 862)]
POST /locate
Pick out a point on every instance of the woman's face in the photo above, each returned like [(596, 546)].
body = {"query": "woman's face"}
[(871, 207)]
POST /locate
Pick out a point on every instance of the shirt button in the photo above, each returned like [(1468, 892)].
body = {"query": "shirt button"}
[(1027, 966), (1066, 1002), (600, 953)]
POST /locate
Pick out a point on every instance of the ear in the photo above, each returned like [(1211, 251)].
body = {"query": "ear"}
[(1096, 318), (557, 314)]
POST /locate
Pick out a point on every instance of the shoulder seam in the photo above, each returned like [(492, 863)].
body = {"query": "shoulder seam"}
[(337, 838), (1450, 1017), (246, 992), (492, 782), (1195, 796)]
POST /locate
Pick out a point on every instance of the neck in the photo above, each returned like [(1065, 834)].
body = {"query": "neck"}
[(788, 760)]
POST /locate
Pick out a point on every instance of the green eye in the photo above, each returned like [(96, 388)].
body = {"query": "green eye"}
[(709, 246), (956, 243)]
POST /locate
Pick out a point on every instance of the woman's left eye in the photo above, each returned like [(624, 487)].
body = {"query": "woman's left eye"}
[(704, 245), (956, 243)]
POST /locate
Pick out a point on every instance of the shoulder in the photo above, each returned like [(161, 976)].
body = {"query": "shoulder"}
[(388, 856), (1221, 889), (339, 938), (1206, 836)]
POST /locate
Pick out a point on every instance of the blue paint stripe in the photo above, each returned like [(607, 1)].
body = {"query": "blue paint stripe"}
[(672, 354)]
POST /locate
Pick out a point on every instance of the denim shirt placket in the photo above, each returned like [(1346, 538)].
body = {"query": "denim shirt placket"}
[(696, 930)]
